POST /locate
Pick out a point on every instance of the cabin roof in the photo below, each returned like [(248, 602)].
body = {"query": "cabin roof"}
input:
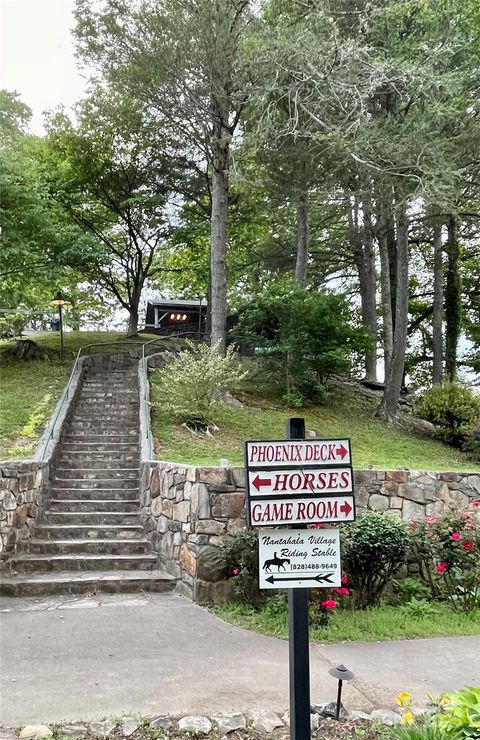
[(177, 302)]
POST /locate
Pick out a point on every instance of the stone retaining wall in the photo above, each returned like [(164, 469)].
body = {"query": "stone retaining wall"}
[(189, 513), (22, 490)]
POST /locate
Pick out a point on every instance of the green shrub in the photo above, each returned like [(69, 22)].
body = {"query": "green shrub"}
[(373, 549), (302, 336), (406, 589), (460, 717), (448, 550), (452, 408), (471, 444), (194, 381)]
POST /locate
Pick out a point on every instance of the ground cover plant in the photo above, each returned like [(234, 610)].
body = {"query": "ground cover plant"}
[(374, 443), (384, 622)]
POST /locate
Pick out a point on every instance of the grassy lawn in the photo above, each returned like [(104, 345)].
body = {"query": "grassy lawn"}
[(30, 390), (374, 444), (380, 623)]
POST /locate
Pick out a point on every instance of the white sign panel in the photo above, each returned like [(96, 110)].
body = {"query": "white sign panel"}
[(292, 558), (301, 511), (309, 480), (289, 453)]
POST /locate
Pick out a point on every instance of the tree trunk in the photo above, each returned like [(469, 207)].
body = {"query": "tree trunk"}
[(369, 301), (218, 254), (393, 381), (302, 239), (437, 339), (132, 330), (364, 256), (452, 301), (386, 295)]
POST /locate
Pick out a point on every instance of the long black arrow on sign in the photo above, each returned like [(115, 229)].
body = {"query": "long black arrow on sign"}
[(320, 578)]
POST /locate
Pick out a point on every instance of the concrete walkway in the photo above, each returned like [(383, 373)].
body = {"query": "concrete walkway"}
[(81, 658)]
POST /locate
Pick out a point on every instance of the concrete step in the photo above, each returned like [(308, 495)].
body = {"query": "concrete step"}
[(99, 448), (109, 473), (94, 426), (81, 484), (107, 461), (92, 458), (102, 437), (104, 504), (92, 531), (99, 494), (86, 582), (103, 415), (91, 517), (81, 561), (97, 546)]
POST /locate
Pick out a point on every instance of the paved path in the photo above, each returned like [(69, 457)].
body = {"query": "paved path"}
[(88, 658)]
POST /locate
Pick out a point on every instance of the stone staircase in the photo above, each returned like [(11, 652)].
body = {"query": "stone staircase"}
[(90, 537)]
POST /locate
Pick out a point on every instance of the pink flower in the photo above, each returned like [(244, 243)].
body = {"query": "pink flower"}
[(469, 525), (468, 545), (342, 591), (441, 567), (455, 536), (318, 526), (329, 604), (431, 519), (236, 571), (476, 504), (344, 580)]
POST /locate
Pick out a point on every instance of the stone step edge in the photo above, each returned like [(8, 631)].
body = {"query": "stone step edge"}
[(88, 541), (87, 556), (92, 576)]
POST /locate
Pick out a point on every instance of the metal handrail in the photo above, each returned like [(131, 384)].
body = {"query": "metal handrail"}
[(66, 392)]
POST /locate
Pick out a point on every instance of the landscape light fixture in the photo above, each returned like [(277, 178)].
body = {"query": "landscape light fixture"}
[(342, 674), (59, 300)]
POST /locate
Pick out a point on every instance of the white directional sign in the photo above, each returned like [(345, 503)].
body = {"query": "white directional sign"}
[(292, 558), (337, 480), (291, 453), (299, 481), (302, 511)]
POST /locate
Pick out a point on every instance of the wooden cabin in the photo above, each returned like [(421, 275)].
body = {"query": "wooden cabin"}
[(176, 316)]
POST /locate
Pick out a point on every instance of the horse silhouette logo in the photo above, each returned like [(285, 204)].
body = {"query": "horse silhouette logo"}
[(279, 562)]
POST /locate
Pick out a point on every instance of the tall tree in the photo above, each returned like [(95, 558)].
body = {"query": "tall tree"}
[(181, 58)]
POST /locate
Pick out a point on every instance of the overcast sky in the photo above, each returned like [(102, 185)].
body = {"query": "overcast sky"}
[(36, 54)]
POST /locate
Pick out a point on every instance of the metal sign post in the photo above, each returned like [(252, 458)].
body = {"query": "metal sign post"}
[(297, 482), (298, 645)]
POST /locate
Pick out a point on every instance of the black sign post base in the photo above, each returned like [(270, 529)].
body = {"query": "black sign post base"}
[(299, 651)]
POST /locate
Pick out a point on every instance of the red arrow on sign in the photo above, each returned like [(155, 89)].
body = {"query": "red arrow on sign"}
[(259, 482), (346, 508), (342, 451)]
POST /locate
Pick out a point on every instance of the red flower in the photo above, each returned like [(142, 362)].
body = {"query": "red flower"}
[(455, 536), (318, 526), (344, 580), (329, 604), (476, 504), (441, 567), (342, 591), (468, 545), (236, 571)]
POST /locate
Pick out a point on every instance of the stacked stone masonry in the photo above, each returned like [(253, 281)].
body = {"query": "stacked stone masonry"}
[(22, 491), (189, 513)]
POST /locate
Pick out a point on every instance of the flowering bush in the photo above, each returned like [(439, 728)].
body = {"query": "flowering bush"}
[(448, 550), (323, 602), (241, 556)]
